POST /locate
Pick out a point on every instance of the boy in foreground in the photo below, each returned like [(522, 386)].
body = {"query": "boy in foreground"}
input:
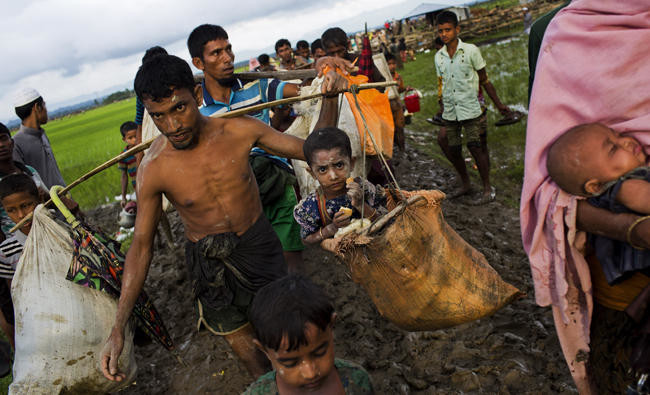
[(128, 166), (19, 196), (294, 327)]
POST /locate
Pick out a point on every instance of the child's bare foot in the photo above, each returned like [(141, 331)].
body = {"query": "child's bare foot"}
[(487, 197), (462, 191)]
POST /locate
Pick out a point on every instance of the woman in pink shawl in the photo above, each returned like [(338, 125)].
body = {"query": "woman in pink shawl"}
[(593, 65)]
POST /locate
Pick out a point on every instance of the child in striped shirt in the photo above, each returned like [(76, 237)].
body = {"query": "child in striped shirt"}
[(128, 166)]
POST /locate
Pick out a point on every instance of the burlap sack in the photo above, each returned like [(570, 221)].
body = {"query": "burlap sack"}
[(420, 274)]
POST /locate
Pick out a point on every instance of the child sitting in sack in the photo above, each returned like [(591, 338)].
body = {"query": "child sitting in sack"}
[(338, 199), (19, 196), (293, 321), (594, 161)]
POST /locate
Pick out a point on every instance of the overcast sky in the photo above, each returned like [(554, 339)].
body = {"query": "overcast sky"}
[(72, 50)]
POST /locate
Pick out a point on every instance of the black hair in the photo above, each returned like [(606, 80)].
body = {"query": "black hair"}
[(302, 44), (326, 139), (438, 41), (127, 126), (389, 56), (283, 308), (282, 42), (4, 129), (201, 35), (315, 45), (263, 59), (334, 36), (25, 110), (153, 52), (447, 17), (156, 78), (15, 183)]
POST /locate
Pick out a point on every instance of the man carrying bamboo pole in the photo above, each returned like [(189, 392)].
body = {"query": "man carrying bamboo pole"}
[(201, 165)]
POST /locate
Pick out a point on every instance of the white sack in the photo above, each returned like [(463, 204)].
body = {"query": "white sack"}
[(61, 327), (308, 112)]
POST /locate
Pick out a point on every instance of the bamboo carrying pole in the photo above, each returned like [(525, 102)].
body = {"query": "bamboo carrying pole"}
[(231, 114)]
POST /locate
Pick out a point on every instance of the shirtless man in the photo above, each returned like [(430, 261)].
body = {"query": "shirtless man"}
[(201, 165)]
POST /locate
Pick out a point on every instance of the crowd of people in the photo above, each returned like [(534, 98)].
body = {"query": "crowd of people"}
[(231, 182)]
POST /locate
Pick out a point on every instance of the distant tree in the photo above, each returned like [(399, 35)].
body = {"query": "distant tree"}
[(119, 95)]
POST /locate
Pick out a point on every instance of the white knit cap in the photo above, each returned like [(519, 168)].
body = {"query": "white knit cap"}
[(25, 96)]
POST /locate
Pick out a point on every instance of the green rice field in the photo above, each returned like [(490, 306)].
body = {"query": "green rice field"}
[(82, 141)]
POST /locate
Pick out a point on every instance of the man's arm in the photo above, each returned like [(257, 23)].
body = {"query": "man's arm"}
[(135, 269), (267, 138), (614, 226), (489, 89)]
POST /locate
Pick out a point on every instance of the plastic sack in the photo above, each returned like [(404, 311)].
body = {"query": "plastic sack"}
[(420, 274), (61, 327)]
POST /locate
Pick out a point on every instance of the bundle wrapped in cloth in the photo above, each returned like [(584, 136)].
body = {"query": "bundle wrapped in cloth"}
[(420, 274)]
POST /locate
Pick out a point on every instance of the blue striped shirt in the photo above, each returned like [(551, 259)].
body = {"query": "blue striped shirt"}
[(255, 92)]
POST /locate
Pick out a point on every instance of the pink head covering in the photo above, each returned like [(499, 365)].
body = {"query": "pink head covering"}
[(593, 65)]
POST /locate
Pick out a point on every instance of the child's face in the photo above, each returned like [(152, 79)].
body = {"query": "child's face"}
[(611, 155), (307, 368), (331, 168), (129, 137), (448, 32), (19, 205), (392, 66)]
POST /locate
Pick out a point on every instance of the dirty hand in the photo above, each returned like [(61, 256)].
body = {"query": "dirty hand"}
[(123, 202), (111, 354), (355, 194), (341, 219), (333, 63), (333, 84)]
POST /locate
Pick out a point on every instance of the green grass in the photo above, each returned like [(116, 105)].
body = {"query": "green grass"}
[(83, 141), (507, 69)]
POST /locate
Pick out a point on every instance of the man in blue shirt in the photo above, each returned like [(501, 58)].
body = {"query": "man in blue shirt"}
[(212, 53)]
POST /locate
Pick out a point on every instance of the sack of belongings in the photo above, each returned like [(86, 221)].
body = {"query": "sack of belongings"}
[(60, 326), (420, 274)]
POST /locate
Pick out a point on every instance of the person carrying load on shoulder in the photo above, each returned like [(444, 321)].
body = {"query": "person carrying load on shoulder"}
[(231, 250)]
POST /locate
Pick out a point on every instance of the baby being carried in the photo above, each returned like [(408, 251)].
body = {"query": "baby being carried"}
[(610, 168)]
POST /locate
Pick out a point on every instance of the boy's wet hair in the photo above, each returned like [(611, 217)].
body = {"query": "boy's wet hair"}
[(315, 45), (153, 52), (25, 110), (264, 59), (4, 129), (334, 36), (302, 44), (326, 139), (284, 307), (127, 126), (281, 43), (447, 17), (201, 35), (389, 57), (16, 183), (157, 78)]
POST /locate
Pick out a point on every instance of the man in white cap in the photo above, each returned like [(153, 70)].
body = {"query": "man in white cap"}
[(31, 145)]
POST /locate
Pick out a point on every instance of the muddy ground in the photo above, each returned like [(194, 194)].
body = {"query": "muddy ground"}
[(514, 351)]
